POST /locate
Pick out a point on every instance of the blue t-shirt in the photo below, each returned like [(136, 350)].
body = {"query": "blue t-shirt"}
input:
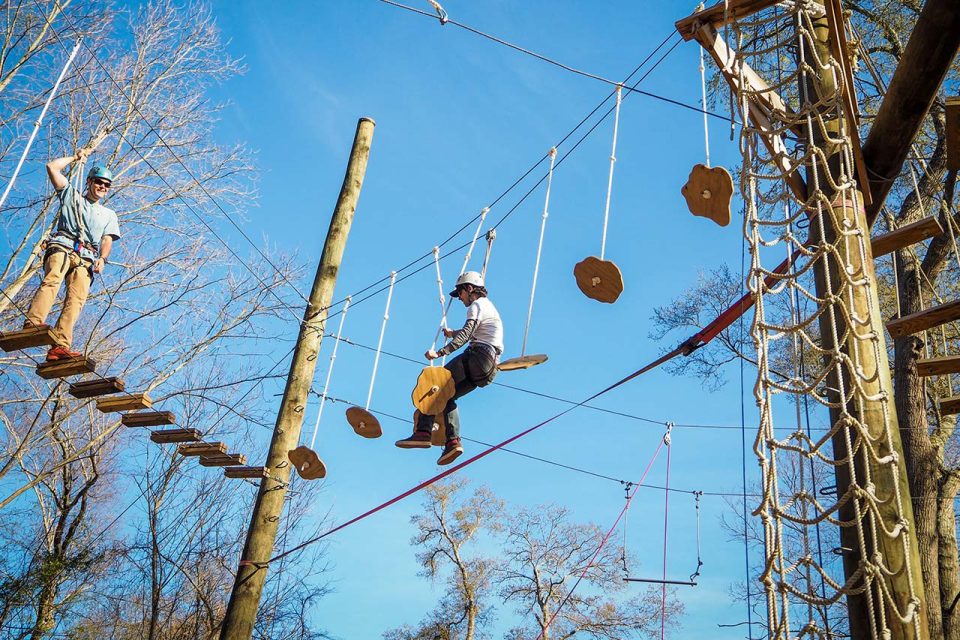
[(98, 221)]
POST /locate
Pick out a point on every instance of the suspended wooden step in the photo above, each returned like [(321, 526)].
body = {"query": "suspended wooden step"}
[(708, 192), (906, 236), (66, 368), (148, 419), (599, 279), (94, 388), (307, 463), (247, 472), (224, 460), (38, 336), (175, 436), (522, 362), (433, 390), (923, 320), (938, 366), (950, 406), (202, 449), (125, 402)]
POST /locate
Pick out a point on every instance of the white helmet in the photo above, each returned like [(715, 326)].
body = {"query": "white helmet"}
[(467, 277)]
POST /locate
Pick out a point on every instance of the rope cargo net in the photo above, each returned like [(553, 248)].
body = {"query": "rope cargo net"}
[(816, 347)]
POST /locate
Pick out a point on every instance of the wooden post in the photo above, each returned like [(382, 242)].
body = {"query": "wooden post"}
[(241, 612), (877, 389)]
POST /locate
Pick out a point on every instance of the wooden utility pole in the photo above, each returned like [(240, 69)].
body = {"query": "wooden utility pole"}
[(241, 612), (861, 336)]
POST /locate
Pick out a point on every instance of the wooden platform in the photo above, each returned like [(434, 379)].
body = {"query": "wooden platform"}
[(923, 320), (94, 388), (175, 436), (148, 419), (224, 460), (125, 402), (938, 366), (950, 406), (202, 449), (906, 236), (66, 368), (38, 336), (247, 472)]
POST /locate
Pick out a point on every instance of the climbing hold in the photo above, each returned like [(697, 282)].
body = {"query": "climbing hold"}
[(708, 192), (599, 279)]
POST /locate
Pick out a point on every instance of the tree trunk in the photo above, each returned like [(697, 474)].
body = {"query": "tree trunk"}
[(949, 571)]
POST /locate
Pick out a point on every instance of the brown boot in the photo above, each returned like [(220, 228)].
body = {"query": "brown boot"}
[(62, 353)]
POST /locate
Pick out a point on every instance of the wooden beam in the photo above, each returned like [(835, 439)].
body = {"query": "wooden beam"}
[(172, 436), (98, 387), (906, 236), (714, 16), (37, 336), (923, 320), (125, 402), (148, 418), (953, 133), (247, 472), (925, 62), (66, 368), (938, 366), (202, 449), (224, 460), (950, 406)]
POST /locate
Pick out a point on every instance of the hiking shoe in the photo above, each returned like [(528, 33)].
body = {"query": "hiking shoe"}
[(419, 440), (31, 325), (61, 353), (450, 452)]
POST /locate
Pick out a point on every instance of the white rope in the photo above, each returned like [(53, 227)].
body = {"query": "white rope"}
[(443, 298), (473, 243), (36, 126), (333, 358), (536, 266), (613, 161), (383, 329), (703, 103), (491, 236)]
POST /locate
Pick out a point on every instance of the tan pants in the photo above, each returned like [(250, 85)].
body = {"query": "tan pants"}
[(57, 267)]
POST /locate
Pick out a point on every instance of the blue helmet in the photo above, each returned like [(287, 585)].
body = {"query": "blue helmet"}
[(100, 171)]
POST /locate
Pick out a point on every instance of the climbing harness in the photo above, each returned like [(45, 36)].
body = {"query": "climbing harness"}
[(598, 278), (524, 361), (363, 422), (305, 459)]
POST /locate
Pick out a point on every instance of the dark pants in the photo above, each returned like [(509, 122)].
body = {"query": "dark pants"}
[(475, 367)]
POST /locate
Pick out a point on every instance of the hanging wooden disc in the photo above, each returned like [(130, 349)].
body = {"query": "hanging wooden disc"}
[(599, 279), (438, 434), (308, 464), (364, 423), (708, 192), (522, 362), (434, 389)]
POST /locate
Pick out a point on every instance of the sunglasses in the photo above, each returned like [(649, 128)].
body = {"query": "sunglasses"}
[(101, 183)]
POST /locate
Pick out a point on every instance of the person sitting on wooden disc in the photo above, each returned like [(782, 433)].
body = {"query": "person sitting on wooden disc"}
[(475, 367)]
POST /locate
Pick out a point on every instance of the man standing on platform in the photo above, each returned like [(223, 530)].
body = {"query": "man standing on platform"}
[(79, 247)]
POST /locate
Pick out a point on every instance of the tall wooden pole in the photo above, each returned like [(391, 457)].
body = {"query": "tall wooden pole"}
[(241, 612), (863, 342)]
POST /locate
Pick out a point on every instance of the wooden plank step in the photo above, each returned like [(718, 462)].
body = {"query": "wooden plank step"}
[(923, 320), (905, 236), (719, 14), (38, 336), (175, 436), (202, 449), (938, 366), (224, 460), (94, 388), (148, 419), (950, 406), (125, 402), (66, 368), (246, 472)]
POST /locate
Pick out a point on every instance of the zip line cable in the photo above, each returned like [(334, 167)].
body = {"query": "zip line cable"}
[(446, 20)]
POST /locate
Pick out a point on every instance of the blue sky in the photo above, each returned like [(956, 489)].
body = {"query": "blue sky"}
[(459, 118)]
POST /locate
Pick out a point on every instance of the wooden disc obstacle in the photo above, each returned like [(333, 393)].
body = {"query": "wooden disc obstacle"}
[(438, 433), (599, 279), (522, 362), (708, 192), (308, 464), (434, 389), (364, 423)]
